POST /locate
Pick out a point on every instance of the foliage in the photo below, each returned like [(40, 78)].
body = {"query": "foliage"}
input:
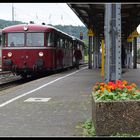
[(73, 30), (86, 58), (138, 53), (119, 90), (126, 135), (5, 23), (87, 128)]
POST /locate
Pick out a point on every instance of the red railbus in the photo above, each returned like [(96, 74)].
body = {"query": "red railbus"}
[(28, 49)]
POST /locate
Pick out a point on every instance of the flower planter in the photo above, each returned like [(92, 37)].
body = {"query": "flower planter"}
[(112, 117)]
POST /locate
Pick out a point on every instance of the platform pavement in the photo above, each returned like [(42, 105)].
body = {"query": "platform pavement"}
[(70, 104), (132, 75)]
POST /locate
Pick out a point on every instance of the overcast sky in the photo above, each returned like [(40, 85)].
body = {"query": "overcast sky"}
[(50, 13)]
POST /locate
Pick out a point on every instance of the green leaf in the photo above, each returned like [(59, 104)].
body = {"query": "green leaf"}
[(137, 96), (124, 94)]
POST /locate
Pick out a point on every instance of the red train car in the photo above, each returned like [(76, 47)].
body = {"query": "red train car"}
[(29, 48)]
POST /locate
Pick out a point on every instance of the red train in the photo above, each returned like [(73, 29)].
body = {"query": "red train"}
[(28, 49)]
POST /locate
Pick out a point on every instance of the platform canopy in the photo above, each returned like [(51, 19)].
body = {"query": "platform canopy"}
[(92, 15)]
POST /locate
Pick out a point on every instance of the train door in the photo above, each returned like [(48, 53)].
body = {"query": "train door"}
[(56, 45), (50, 59), (70, 53), (74, 47), (65, 48), (59, 52), (82, 51)]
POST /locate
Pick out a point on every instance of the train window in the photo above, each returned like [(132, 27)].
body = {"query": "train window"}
[(58, 43), (70, 45), (66, 44), (50, 39), (35, 39), (61, 43), (15, 39)]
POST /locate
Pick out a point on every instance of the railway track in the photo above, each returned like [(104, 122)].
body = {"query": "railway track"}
[(12, 81), (6, 76), (8, 80)]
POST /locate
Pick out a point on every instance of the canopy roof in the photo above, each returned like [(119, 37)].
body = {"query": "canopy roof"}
[(92, 15)]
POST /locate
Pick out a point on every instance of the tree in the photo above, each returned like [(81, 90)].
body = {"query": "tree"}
[(138, 53)]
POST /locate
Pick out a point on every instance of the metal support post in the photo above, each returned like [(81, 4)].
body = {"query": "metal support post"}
[(107, 41), (95, 53), (130, 45), (90, 53), (134, 53), (116, 68), (112, 42), (99, 53)]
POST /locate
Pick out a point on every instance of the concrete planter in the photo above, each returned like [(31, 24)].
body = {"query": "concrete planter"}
[(112, 117)]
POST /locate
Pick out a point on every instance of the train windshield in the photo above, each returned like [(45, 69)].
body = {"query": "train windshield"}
[(35, 39), (15, 39)]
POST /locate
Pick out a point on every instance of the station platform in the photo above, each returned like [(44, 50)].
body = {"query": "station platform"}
[(22, 113), (132, 75), (52, 106)]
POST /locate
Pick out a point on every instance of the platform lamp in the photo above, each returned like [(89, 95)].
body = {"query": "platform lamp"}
[(138, 29)]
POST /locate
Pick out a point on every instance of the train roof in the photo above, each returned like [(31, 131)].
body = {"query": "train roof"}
[(36, 28), (31, 27)]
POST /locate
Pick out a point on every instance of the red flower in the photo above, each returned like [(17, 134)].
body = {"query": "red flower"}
[(110, 83), (129, 87), (119, 82), (120, 86), (114, 86)]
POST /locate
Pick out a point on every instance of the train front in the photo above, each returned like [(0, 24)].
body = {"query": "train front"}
[(23, 49)]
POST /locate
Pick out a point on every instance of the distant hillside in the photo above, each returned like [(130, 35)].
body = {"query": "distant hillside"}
[(74, 30), (5, 23)]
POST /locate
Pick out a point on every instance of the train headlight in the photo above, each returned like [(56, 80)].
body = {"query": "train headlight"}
[(40, 54), (9, 54), (25, 28)]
